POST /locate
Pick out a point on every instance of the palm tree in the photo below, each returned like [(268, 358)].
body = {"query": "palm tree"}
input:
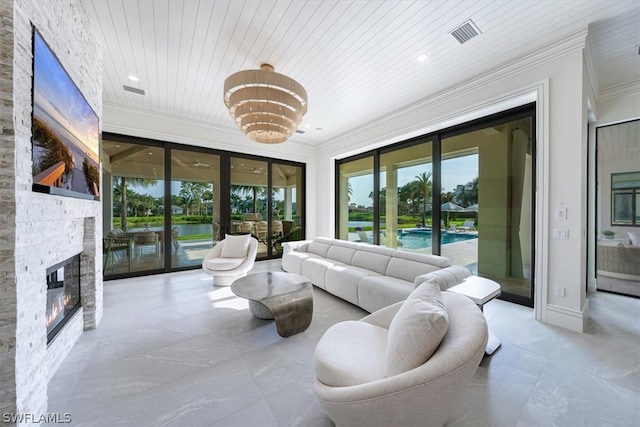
[(252, 190), (424, 190), (142, 182)]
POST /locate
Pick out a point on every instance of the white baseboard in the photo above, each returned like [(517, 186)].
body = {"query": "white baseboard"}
[(566, 318)]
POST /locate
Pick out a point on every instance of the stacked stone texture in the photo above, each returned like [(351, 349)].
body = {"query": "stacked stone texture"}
[(40, 230)]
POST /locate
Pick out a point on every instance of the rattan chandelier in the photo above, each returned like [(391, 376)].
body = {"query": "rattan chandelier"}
[(267, 106)]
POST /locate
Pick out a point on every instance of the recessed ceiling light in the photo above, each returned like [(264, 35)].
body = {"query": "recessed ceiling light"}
[(422, 58), (133, 78), (150, 153)]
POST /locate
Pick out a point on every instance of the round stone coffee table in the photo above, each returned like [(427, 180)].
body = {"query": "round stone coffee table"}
[(285, 297)]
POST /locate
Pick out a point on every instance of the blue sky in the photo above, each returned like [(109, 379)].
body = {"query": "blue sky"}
[(459, 170), (56, 94), (454, 171)]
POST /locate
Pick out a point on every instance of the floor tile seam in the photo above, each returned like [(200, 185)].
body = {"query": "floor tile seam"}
[(131, 303), (520, 421), (126, 355), (587, 370), (591, 375), (115, 299), (520, 347), (215, 423), (118, 401)]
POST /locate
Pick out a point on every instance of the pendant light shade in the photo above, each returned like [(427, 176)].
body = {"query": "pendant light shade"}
[(267, 106)]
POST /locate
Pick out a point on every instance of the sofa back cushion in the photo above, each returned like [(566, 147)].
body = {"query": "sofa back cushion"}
[(436, 260), (319, 247), (416, 330), (372, 258), (341, 253), (407, 270), (408, 265)]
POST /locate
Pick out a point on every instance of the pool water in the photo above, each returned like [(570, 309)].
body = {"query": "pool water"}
[(416, 239)]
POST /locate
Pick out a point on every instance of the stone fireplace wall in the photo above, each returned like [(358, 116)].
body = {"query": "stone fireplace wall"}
[(40, 230)]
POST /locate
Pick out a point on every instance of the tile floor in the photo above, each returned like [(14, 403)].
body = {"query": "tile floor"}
[(173, 350)]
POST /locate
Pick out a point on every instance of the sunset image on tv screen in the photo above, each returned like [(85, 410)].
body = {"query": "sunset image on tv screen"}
[(65, 133)]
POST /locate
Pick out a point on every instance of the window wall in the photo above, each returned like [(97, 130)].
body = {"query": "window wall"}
[(169, 204), (133, 208), (486, 203), (287, 205), (406, 197), (356, 200), (465, 193), (195, 206)]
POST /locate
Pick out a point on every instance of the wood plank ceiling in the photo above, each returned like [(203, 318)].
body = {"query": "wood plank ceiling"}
[(357, 59)]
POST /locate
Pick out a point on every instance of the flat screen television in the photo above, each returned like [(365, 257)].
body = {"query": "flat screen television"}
[(65, 130)]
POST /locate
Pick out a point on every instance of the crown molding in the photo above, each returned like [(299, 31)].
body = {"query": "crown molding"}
[(612, 93), (166, 127)]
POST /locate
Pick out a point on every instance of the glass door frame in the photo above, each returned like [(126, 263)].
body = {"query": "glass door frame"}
[(523, 111), (225, 187)]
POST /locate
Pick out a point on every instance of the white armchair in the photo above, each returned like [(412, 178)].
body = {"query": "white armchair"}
[(231, 258), (363, 380)]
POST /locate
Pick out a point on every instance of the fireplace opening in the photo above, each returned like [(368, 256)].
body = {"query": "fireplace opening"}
[(63, 294)]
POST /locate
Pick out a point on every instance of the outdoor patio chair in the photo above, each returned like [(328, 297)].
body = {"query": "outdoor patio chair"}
[(261, 231), (467, 226), (174, 238), (364, 238), (146, 239)]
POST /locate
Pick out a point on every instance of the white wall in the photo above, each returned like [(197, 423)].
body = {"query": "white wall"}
[(552, 77)]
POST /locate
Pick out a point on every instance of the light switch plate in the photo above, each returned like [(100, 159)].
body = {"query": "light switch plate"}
[(561, 233), (561, 213)]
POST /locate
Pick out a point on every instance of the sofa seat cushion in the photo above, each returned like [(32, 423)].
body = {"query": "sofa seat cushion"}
[(375, 292), (315, 269), (224, 264), (416, 330), (343, 280), (350, 353), (292, 262)]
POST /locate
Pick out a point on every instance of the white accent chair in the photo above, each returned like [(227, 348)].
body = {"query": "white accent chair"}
[(230, 258), (362, 378)]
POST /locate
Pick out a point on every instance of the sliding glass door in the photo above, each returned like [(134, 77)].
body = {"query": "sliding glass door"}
[(133, 215), (287, 205), (249, 199), (169, 204), (466, 193), (406, 198), (356, 200), (195, 206), (487, 198)]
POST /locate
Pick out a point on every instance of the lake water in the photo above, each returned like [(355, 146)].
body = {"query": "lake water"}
[(185, 229)]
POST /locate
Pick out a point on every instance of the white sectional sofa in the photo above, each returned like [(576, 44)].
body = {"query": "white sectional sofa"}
[(366, 275)]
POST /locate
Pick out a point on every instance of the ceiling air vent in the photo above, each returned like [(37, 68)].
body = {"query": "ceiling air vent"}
[(133, 89), (465, 32)]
